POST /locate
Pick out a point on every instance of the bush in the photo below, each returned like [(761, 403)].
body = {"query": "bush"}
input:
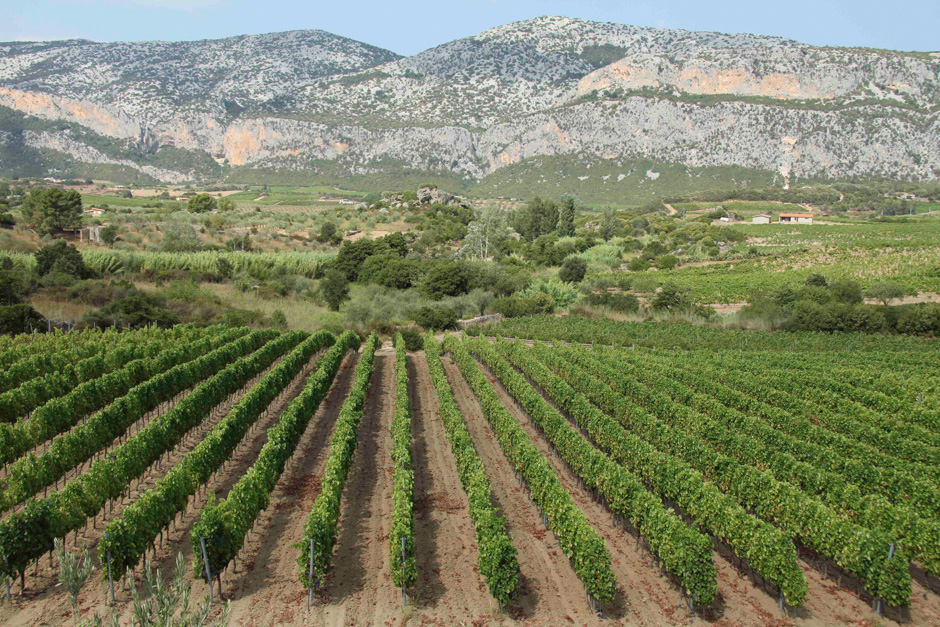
[(920, 320), (20, 319), (201, 203), (414, 340), (671, 297), (136, 311), (445, 279), (639, 265), (623, 303), (517, 306), (61, 257), (848, 292), (666, 262), (436, 318), (573, 270)]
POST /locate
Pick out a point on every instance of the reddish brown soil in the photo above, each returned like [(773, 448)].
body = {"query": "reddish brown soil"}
[(446, 548), (263, 589)]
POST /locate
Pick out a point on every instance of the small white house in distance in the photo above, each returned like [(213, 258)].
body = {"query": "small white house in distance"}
[(796, 218), (761, 218)]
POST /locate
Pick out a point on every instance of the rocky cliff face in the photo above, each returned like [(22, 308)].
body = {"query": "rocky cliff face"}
[(541, 88)]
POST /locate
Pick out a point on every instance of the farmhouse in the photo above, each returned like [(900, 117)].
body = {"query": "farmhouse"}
[(761, 218), (796, 218)]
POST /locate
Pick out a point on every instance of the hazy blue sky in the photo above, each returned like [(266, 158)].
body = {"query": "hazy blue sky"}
[(409, 26)]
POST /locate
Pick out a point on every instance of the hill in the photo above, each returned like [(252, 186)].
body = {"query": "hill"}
[(654, 110)]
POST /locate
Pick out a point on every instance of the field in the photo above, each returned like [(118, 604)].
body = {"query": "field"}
[(666, 475)]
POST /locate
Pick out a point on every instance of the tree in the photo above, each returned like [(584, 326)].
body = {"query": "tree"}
[(327, 232), (573, 270), (445, 279), (334, 288), (108, 234), (485, 233), (61, 257), (352, 255), (535, 218), (671, 297), (848, 292), (201, 203), (12, 285), (180, 238), (51, 210), (609, 223), (225, 204), (566, 217), (885, 291)]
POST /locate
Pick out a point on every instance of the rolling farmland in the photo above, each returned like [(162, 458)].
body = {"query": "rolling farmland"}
[(579, 472)]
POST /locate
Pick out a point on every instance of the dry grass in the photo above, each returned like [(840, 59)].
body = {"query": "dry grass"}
[(300, 313), (60, 311)]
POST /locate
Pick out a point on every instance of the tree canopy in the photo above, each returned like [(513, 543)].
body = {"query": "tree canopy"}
[(50, 210), (201, 203)]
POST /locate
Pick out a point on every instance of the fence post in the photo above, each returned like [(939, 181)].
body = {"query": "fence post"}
[(879, 607), (404, 599), (110, 579), (310, 588), (205, 560)]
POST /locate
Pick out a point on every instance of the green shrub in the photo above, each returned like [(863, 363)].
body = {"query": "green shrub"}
[(573, 270), (20, 319), (436, 318)]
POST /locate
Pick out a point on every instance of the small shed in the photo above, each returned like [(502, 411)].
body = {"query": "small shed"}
[(761, 218), (796, 218)]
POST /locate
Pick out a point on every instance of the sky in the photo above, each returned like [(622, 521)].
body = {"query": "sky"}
[(410, 26)]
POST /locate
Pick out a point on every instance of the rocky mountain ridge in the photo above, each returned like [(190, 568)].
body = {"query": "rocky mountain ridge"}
[(312, 103)]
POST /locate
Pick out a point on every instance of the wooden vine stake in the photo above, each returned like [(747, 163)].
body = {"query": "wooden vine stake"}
[(404, 598), (205, 560), (310, 588), (110, 579)]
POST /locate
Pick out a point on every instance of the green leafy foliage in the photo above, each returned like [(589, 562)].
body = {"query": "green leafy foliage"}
[(322, 523), (83, 497), (225, 525), (583, 546), (402, 535), (128, 536), (684, 552), (496, 560)]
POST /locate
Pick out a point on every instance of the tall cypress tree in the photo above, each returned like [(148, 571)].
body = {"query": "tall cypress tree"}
[(566, 217)]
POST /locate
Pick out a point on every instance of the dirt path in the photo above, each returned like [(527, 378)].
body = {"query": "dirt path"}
[(446, 553), (549, 586), (359, 590), (265, 591)]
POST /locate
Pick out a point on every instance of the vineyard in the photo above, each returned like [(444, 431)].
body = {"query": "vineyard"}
[(548, 471)]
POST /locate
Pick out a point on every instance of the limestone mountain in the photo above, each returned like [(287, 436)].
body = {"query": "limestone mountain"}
[(604, 110)]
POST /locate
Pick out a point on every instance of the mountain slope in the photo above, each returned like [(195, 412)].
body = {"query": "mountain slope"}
[(310, 103)]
